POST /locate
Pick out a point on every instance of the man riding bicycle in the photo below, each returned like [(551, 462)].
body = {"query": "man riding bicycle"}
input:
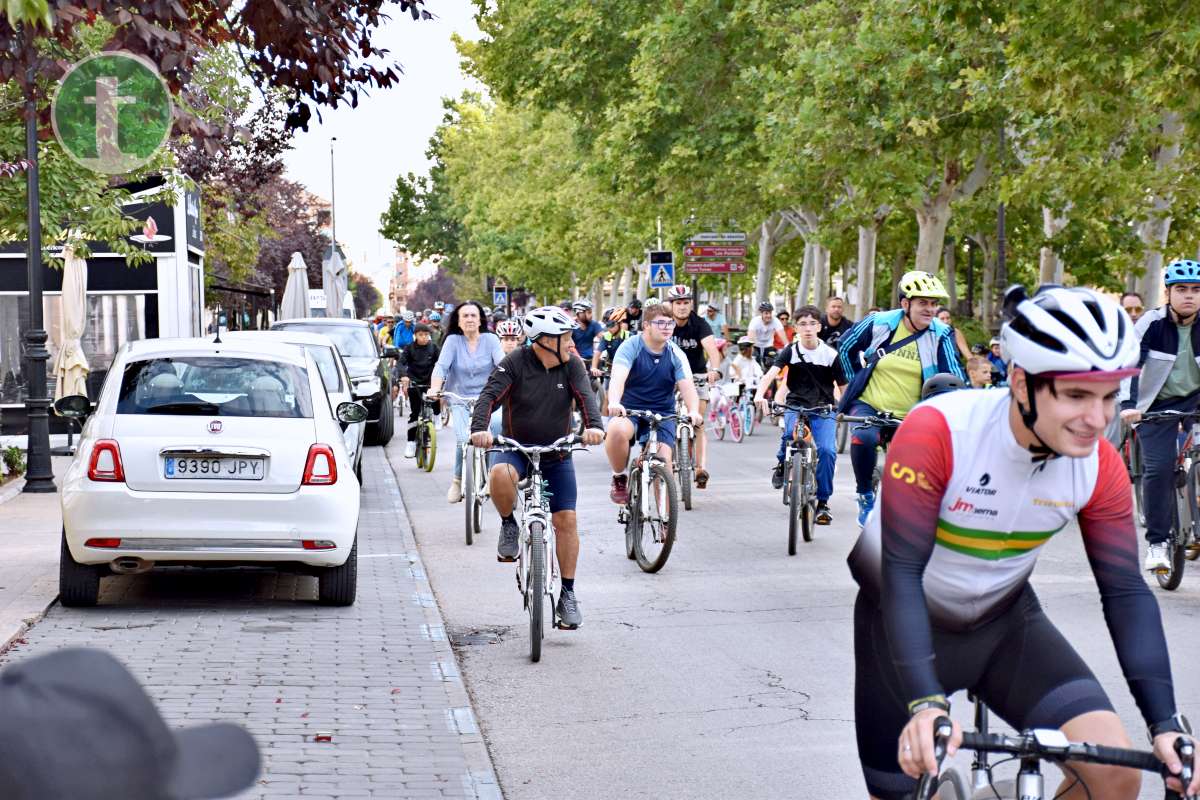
[(1170, 381), (762, 330), (585, 336), (647, 371), (416, 363), (695, 338), (885, 359), (812, 374), (975, 484), (536, 387)]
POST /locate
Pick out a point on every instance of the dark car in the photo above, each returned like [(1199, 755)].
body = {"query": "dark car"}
[(370, 373)]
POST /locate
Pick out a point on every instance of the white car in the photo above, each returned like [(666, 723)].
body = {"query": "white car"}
[(206, 453), (334, 374)]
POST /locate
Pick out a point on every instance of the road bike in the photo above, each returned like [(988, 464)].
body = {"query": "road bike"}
[(537, 561), (1183, 544), (650, 514), (887, 423), (426, 435), (474, 476), (800, 474), (723, 414), (1030, 748)]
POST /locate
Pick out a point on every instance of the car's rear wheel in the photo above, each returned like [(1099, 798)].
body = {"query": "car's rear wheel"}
[(78, 584), (381, 432), (338, 586)]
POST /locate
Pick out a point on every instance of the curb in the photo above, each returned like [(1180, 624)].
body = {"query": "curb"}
[(14, 634), (11, 490), (480, 782)]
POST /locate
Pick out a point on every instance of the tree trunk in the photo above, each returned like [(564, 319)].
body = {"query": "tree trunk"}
[(867, 238), (614, 294), (933, 216), (897, 273), (766, 261), (821, 276), (1154, 230), (642, 280), (1050, 268), (627, 283), (806, 273), (950, 256), (987, 300)]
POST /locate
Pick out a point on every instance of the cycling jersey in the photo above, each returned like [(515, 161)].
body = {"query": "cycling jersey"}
[(585, 339), (964, 513), (536, 401)]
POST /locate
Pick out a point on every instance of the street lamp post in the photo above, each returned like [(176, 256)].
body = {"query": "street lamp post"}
[(39, 474), (332, 194)]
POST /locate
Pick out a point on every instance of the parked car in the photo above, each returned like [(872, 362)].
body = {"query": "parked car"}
[(204, 453), (334, 374), (370, 370)]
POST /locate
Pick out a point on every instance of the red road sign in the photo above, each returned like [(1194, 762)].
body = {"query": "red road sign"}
[(696, 250), (710, 267)]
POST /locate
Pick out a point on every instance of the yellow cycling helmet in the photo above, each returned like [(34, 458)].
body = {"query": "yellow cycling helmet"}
[(918, 283)]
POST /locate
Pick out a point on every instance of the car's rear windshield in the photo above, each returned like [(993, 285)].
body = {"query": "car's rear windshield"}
[(214, 386), (352, 341)]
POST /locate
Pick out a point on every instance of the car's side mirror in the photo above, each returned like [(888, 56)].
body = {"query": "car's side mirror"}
[(351, 412), (73, 406), (391, 352)]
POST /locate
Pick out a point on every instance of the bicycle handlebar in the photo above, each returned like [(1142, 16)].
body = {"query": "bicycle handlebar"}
[(880, 420), (1151, 416), (814, 411), (655, 418), (566, 444)]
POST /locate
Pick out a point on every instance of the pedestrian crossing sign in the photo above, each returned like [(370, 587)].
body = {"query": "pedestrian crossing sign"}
[(662, 269)]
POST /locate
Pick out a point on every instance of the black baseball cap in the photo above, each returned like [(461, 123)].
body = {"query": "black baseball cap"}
[(77, 724), (635, 303)]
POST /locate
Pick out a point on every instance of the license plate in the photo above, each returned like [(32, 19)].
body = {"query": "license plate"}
[(225, 469)]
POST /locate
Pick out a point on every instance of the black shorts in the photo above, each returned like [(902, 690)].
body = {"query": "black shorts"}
[(1018, 664)]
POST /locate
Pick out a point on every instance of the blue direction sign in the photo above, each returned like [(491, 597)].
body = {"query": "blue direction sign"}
[(662, 269)]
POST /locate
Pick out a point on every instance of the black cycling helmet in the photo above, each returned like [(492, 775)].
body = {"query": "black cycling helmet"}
[(765, 306), (940, 384)]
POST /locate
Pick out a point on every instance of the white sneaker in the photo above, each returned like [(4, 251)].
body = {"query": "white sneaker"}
[(454, 494), (1156, 558), (410, 450)]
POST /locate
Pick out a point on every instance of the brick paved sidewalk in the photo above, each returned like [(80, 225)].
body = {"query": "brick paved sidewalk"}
[(254, 648)]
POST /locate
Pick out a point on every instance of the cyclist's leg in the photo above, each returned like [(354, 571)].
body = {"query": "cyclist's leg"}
[(863, 441), (1035, 679), (700, 442), (790, 418), (1160, 448), (507, 469), (496, 428), (824, 430), (619, 436), (560, 482), (666, 442), (461, 423), (416, 397)]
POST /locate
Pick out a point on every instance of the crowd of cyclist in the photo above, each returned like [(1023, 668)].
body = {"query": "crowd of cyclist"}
[(944, 600)]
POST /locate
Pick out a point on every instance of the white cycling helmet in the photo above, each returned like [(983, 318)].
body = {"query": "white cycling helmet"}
[(548, 320), (680, 291), (1060, 333), (407, 316), (581, 305), (509, 327)]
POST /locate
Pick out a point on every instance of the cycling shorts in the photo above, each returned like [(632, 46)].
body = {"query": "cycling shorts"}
[(666, 431), (1018, 664), (558, 474)]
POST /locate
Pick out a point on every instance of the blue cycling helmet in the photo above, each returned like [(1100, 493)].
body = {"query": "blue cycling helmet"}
[(1182, 270)]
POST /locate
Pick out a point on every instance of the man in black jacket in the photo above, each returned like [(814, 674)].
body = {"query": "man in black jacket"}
[(415, 367), (537, 386)]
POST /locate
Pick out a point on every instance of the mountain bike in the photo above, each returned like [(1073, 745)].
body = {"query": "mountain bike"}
[(537, 561), (1183, 544), (800, 475), (1030, 748), (683, 465), (474, 476), (887, 424), (650, 515), (426, 436)]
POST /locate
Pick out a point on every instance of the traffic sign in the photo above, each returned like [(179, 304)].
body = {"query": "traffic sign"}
[(500, 296), (697, 250), (719, 237), (662, 269), (713, 267)]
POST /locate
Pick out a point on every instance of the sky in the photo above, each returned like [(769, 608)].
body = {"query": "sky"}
[(387, 134)]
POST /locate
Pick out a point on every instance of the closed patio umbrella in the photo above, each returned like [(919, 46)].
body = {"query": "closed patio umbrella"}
[(333, 280), (295, 293), (70, 365)]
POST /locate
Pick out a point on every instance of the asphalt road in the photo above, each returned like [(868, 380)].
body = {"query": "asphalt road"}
[(729, 673)]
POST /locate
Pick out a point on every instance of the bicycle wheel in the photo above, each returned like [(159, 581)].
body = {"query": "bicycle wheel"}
[(716, 420), (808, 492), (843, 436), (683, 462), (792, 493), (419, 438), (481, 490), (1170, 578), (735, 424), (655, 535), (751, 417), (468, 492), (951, 786), (535, 590), (1192, 544), (430, 444)]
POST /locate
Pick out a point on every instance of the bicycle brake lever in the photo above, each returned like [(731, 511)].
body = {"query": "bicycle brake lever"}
[(1185, 748)]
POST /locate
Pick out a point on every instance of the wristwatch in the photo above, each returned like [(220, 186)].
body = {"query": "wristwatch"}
[(1176, 723)]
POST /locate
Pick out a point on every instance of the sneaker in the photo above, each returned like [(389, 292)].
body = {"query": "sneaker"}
[(567, 610), (865, 503), (410, 450), (454, 494), (777, 476), (619, 492), (701, 478), (508, 547), (1156, 558), (823, 515)]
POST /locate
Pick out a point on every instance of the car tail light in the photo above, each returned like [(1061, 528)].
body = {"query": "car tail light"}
[(317, 544), (321, 467), (106, 462), (102, 543)]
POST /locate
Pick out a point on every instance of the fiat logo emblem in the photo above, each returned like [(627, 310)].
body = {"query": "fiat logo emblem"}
[(214, 426)]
